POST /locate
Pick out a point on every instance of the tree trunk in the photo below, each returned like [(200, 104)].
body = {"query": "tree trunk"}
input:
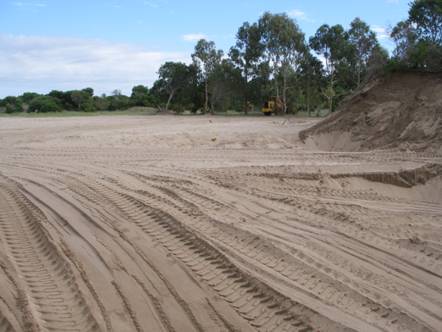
[(277, 96), (246, 106), (332, 83), (170, 99), (206, 96), (308, 96), (284, 92), (330, 103)]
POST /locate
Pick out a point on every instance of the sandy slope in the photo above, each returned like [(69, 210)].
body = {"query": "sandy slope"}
[(400, 110), (212, 224)]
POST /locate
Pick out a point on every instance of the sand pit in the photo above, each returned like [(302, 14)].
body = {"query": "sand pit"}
[(213, 224)]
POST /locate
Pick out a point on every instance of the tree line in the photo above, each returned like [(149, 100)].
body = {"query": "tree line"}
[(271, 59)]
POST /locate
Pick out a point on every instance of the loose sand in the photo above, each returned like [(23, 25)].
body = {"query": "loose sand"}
[(213, 224), (400, 110)]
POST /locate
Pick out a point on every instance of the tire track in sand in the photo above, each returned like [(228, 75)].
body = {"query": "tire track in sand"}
[(54, 298), (263, 307), (5, 325)]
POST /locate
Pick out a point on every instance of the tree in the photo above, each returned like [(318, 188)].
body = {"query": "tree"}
[(28, 96), (63, 99), (246, 55), (419, 38), (89, 92), (206, 57), (225, 86), (426, 15), (82, 100), (311, 76), (101, 103), (364, 41), (12, 104), (405, 37), (140, 96), (173, 77), (377, 62), (118, 101), (44, 104), (284, 48), (332, 44), (117, 92)]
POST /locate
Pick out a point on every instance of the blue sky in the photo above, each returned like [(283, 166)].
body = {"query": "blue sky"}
[(116, 44)]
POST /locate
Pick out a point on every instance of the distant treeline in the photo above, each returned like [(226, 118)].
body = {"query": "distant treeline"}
[(271, 60), (77, 100)]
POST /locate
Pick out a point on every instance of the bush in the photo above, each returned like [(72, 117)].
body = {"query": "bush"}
[(28, 96), (14, 108), (44, 104), (101, 103), (12, 104)]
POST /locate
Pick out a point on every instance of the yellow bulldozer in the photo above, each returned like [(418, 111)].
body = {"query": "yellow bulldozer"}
[(272, 106)]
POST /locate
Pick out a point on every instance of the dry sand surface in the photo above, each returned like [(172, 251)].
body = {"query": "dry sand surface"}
[(400, 110), (212, 224)]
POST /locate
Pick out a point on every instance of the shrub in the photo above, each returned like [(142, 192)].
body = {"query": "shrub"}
[(44, 104), (14, 108), (12, 104)]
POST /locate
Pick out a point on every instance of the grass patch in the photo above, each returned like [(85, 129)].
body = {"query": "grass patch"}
[(68, 114)]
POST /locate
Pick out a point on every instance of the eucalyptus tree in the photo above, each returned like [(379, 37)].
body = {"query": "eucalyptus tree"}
[(364, 41), (312, 80), (426, 15), (332, 44), (284, 47), (246, 55), (206, 57), (173, 77), (419, 38)]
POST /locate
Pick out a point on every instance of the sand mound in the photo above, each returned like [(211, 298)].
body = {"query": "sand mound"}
[(402, 110)]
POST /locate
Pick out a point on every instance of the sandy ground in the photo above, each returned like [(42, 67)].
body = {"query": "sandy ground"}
[(212, 224)]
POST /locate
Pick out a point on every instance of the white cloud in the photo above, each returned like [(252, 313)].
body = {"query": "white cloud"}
[(299, 14), (44, 63), (194, 37), (381, 32), (152, 4), (29, 4)]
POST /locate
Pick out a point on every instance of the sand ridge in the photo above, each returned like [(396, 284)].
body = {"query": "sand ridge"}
[(170, 223)]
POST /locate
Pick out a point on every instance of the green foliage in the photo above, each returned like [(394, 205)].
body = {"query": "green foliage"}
[(174, 84), (206, 58), (43, 104), (426, 15), (363, 41), (88, 91), (101, 103), (245, 56), (28, 96), (12, 104), (140, 96), (419, 38), (284, 47), (118, 102), (81, 100)]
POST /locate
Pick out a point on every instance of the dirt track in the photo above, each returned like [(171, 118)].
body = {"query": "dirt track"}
[(212, 224)]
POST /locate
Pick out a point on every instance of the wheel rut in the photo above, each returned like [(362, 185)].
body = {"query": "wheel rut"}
[(54, 298), (263, 307)]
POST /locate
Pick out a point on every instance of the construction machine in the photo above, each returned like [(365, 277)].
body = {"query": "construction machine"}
[(272, 106)]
